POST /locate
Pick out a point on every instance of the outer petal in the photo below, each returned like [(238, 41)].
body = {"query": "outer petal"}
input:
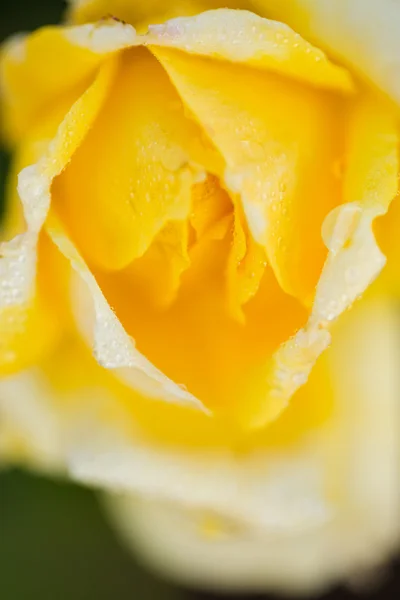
[(143, 13), (362, 33), (354, 259), (112, 346), (243, 37), (37, 71), (289, 518), (32, 330), (387, 232), (19, 257), (30, 427), (351, 522)]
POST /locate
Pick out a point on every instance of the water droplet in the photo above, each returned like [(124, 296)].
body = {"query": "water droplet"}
[(339, 225), (331, 310), (299, 378), (280, 375), (351, 275), (173, 159)]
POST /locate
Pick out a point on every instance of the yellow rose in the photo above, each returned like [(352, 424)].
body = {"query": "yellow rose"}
[(204, 198)]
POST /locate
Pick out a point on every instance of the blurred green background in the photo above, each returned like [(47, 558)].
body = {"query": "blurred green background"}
[(55, 543)]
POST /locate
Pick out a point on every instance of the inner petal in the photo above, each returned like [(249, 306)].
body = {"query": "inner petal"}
[(196, 341), (134, 171), (283, 145)]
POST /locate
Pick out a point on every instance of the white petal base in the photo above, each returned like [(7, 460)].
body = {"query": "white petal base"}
[(362, 479), (174, 542)]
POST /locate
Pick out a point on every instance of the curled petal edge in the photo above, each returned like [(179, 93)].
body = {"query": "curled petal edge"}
[(113, 348)]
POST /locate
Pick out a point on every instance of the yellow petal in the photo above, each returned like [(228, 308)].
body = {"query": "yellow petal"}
[(175, 427), (354, 259), (210, 205), (246, 266), (28, 151), (213, 216), (280, 165), (363, 34), (31, 329), (25, 298), (37, 70), (158, 271), (142, 13), (370, 185), (243, 37), (387, 234), (143, 179)]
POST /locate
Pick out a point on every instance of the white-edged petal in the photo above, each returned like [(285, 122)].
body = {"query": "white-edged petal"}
[(363, 34), (112, 346)]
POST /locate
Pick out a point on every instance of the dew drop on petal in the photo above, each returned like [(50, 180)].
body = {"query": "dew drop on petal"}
[(339, 224)]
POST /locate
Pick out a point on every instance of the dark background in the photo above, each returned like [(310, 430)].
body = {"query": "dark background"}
[(55, 543)]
